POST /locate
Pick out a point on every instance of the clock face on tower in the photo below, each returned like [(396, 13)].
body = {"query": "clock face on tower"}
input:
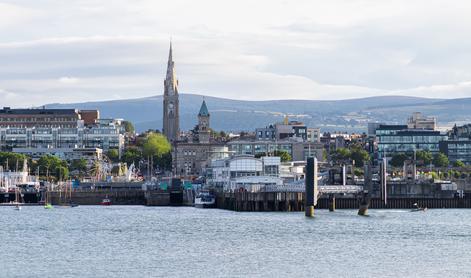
[(170, 108)]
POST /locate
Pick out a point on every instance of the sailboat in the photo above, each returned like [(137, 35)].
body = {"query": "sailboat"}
[(65, 201), (47, 202), (17, 199)]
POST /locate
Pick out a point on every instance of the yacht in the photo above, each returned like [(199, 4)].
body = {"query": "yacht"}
[(205, 199)]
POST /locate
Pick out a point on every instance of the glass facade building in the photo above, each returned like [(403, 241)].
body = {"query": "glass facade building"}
[(398, 138)]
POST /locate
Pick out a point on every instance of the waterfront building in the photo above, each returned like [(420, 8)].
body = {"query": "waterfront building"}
[(458, 145), (419, 121), (244, 172), (192, 154), (36, 129), (297, 150), (91, 155), (171, 105), (39, 118), (281, 131), (399, 138)]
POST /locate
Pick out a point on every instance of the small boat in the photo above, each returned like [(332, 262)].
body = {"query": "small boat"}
[(106, 202), (17, 199), (48, 206), (418, 208), (205, 199)]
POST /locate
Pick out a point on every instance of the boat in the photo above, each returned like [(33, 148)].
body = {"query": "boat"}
[(47, 201), (66, 200), (205, 199), (418, 208), (17, 199), (106, 202)]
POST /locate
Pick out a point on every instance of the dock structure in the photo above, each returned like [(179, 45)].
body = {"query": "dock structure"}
[(305, 195), (294, 201)]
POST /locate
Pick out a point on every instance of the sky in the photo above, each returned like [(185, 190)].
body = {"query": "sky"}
[(86, 50)]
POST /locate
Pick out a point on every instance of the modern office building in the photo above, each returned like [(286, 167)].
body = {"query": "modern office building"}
[(399, 138), (458, 145)]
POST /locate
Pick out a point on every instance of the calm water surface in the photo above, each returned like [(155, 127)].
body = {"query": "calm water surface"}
[(135, 241)]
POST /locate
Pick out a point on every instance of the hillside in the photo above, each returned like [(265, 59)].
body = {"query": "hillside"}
[(235, 115)]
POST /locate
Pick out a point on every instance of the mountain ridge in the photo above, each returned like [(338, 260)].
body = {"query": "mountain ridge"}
[(235, 115)]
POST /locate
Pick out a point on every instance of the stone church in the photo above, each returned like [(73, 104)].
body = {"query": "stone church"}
[(193, 152)]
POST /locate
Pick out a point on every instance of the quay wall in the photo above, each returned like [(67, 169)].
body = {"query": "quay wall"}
[(294, 201), (122, 197), (169, 198)]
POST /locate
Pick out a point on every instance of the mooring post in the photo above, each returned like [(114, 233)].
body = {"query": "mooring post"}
[(365, 198), (309, 182), (331, 202), (364, 204)]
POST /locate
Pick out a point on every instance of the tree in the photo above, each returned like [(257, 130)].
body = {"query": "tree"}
[(441, 160), (155, 145), (165, 162), (360, 156), (458, 163), (79, 165), (358, 172), (284, 155), (132, 155), (128, 126), (113, 155), (61, 172), (14, 160), (53, 166), (342, 154), (423, 157), (398, 159)]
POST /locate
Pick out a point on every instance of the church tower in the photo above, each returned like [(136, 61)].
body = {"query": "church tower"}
[(203, 124), (171, 117)]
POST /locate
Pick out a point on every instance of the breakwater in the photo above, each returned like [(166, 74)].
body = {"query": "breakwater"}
[(294, 201)]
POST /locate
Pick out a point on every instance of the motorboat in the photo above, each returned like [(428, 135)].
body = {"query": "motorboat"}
[(205, 199), (418, 208), (106, 202)]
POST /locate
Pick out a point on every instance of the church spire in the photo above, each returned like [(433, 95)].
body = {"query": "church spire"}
[(171, 126), (171, 82), (170, 58)]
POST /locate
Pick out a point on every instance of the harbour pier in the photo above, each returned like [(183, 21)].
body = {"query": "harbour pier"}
[(294, 201)]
